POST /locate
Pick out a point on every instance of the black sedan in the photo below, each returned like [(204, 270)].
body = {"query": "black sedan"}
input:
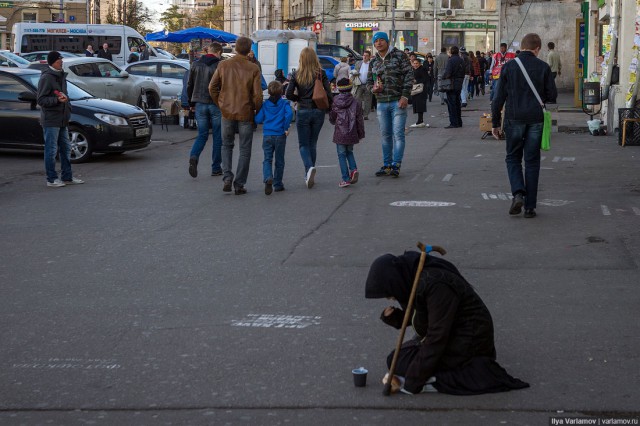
[(97, 125)]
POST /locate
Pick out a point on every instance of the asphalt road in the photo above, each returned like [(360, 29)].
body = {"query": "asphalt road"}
[(147, 297)]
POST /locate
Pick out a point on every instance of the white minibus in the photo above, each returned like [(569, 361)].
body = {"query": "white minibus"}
[(74, 38)]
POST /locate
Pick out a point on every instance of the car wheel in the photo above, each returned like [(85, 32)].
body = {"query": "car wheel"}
[(81, 146)]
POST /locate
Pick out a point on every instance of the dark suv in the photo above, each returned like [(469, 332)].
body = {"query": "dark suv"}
[(338, 51)]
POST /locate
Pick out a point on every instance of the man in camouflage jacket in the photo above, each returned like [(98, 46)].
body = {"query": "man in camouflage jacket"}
[(390, 78)]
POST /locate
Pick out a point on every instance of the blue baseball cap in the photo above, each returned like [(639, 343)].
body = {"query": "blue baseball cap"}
[(382, 35)]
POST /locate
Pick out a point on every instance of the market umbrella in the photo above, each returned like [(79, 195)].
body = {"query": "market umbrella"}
[(185, 36)]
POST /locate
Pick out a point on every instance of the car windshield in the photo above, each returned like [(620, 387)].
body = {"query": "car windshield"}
[(75, 93), (15, 58)]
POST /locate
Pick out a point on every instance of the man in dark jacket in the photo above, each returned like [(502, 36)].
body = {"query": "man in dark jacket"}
[(454, 71), (208, 114), (523, 121), (55, 112), (454, 342), (144, 52), (390, 78), (467, 75), (104, 52)]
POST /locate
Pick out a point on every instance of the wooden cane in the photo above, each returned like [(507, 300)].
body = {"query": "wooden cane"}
[(407, 314)]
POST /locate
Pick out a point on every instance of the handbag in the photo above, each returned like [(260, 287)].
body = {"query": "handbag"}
[(416, 89), (545, 143), (319, 96), (445, 85)]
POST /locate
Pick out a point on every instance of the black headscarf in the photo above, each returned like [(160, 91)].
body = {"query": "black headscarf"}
[(393, 276)]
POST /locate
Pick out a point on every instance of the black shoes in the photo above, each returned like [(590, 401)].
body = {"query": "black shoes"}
[(530, 213), (227, 186), (516, 204), (395, 170), (451, 127), (384, 171), (217, 173), (268, 186), (278, 189), (193, 166), (240, 190)]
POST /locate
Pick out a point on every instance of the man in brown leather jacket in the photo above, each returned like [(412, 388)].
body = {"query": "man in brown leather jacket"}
[(235, 88)]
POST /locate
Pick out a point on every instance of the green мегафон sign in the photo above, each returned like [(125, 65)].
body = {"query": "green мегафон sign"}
[(6, 4), (468, 26)]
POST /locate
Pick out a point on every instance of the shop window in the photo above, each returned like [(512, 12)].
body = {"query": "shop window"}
[(29, 17), (488, 4), (452, 4)]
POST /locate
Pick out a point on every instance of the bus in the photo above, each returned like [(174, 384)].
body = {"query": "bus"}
[(74, 38)]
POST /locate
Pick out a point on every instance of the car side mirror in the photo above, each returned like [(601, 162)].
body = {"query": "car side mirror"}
[(27, 96), (124, 74)]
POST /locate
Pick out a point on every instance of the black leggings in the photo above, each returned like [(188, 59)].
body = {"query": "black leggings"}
[(420, 117)]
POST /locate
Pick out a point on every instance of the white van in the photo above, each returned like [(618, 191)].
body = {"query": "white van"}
[(74, 38)]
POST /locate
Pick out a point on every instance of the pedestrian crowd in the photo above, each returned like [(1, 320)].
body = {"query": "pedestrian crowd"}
[(226, 98)]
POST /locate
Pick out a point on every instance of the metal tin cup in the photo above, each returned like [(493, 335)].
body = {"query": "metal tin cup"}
[(360, 377)]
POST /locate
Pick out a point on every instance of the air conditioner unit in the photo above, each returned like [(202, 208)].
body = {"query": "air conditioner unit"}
[(449, 12), (409, 15)]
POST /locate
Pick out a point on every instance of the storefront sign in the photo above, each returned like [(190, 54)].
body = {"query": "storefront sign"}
[(56, 30), (468, 25), (361, 26), (6, 4)]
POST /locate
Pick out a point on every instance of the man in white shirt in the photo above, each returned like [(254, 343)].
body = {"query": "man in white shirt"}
[(359, 81)]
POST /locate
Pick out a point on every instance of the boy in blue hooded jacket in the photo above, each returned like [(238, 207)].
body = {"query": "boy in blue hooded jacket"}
[(276, 115)]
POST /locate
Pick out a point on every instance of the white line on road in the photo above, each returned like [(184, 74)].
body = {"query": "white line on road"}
[(605, 210), (422, 204), (447, 177), (568, 158), (429, 178), (502, 196), (485, 196), (415, 177), (636, 210)]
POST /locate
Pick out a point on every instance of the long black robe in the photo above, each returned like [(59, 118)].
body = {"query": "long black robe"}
[(455, 327)]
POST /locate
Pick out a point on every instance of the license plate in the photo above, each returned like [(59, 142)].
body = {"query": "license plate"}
[(142, 132)]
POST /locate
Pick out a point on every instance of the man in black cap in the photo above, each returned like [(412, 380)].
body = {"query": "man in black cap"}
[(55, 112)]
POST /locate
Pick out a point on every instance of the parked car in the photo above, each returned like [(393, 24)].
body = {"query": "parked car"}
[(11, 60), (97, 125), (338, 52), (42, 56), (166, 73), (104, 79), (328, 63)]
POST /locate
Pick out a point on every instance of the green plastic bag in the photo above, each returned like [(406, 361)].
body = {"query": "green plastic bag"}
[(545, 145)]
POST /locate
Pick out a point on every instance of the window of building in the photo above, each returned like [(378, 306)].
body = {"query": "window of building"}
[(452, 4), (29, 17), (488, 4), (57, 17), (365, 4)]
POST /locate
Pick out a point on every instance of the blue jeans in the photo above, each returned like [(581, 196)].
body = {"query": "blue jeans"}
[(57, 139), (523, 140), (208, 116), (494, 89), (455, 108), (392, 120), (273, 145), (245, 131), (347, 160), (309, 123)]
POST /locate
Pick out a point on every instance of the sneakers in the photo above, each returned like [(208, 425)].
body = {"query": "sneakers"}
[(309, 179), (395, 170), (278, 189), (530, 213), (344, 184), (384, 171), (193, 166), (74, 181), (418, 125), (268, 186), (353, 177), (516, 204), (55, 184)]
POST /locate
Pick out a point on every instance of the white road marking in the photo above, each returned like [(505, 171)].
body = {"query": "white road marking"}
[(502, 196), (556, 159), (414, 178), (447, 177), (422, 204), (542, 158), (493, 196), (485, 196), (605, 210), (68, 364), (554, 203), (636, 210), (277, 321), (429, 178), (568, 158)]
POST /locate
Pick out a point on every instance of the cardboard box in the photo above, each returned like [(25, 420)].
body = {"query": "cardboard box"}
[(485, 124)]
